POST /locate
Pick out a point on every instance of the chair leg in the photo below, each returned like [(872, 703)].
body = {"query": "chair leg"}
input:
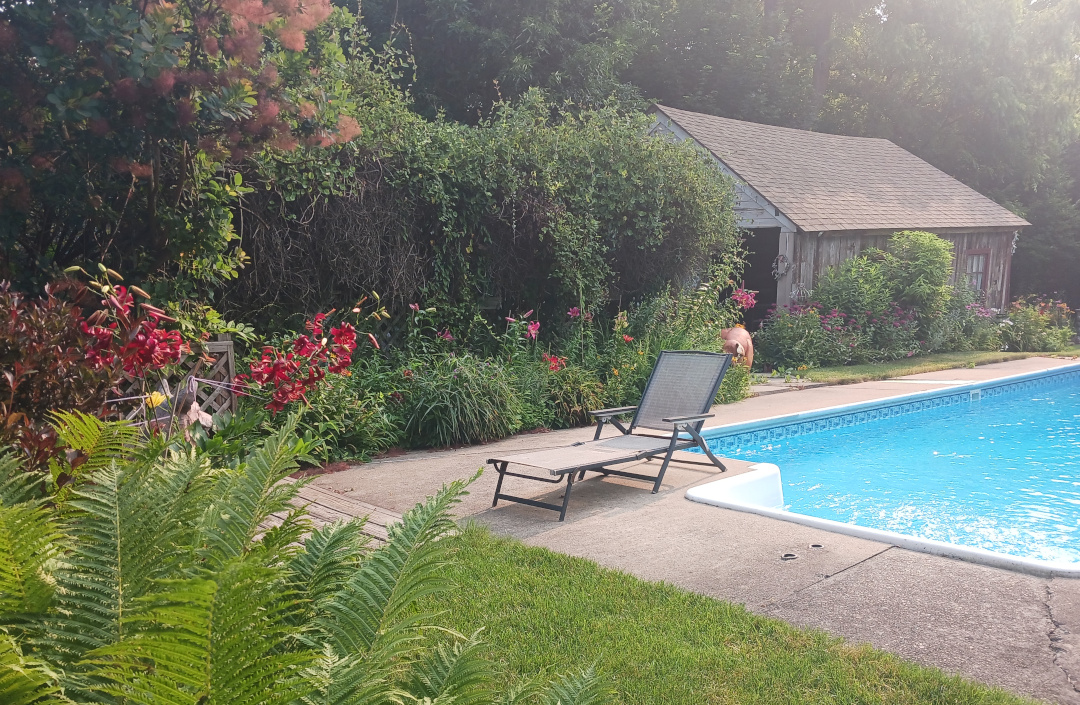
[(705, 448), (566, 496), (667, 459), (501, 469)]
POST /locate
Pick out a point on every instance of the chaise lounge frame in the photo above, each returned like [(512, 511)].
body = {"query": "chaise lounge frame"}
[(675, 403)]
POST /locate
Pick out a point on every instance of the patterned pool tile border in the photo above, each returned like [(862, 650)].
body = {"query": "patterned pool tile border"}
[(729, 440)]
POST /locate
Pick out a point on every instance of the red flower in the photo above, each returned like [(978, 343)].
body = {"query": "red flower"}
[(555, 363), (627, 339), (306, 364)]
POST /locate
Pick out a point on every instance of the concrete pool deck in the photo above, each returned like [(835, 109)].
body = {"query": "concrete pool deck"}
[(1008, 629)]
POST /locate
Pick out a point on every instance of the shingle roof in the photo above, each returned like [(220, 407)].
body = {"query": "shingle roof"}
[(834, 182)]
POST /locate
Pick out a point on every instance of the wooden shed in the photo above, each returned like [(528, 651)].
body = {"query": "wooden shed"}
[(809, 200)]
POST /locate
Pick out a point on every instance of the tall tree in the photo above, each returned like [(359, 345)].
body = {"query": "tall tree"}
[(471, 53)]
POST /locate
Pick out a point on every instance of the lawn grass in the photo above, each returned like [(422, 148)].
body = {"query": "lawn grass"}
[(543, 611), (851, 374)]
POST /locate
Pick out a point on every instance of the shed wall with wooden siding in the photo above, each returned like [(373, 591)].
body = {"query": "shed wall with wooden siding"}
[(814, 254)]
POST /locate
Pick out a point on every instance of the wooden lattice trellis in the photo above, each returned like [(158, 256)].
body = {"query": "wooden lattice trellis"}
[(212, 365)]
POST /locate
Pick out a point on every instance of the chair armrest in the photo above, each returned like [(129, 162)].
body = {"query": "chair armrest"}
[(608, 413), (684, 419)]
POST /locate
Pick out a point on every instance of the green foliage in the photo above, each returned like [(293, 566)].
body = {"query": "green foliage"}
[(857, 286), (350, 421), (966, 324), (454, 399), (735, 385), (918, 267), (122, 126), (470, 53), (792, 338), (169, 588), (690, 319), (574, 391), (1038, 325), (539, 206), (881, 306)]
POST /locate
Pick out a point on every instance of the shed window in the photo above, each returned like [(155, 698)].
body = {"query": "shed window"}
[(975, 266)]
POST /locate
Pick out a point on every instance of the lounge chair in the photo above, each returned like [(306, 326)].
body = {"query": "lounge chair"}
[(674, 407)]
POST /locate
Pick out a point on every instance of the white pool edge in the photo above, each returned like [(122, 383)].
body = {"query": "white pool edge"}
[(760, 491)]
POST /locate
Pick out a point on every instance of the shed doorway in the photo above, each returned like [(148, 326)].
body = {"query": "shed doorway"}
[(762, 247)]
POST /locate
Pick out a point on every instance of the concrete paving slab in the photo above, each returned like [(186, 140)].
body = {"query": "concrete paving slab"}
[(986, 623), (1064, 612), (724, 554)]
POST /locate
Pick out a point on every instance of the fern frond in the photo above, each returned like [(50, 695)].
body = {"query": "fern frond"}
[(351, 680), (247, 495), (28, 540), (127, 531), (520, 694), (16, 484), (24, 681), (585, 688), (331, 555), (88, 598), (219, 640), (101, 443), (280, 543), (454, 673), (374, 611)]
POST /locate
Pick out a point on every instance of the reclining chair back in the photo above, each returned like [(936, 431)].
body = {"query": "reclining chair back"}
[(683, 383)]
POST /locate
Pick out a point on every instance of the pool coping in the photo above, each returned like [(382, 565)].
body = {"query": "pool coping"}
[(747, 491)]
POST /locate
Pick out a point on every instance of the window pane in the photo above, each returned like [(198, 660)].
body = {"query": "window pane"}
[(976, 270)]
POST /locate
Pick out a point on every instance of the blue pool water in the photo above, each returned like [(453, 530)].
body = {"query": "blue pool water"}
[(1001, 474)]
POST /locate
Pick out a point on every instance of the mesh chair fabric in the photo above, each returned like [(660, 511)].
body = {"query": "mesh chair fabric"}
[(683, 383)]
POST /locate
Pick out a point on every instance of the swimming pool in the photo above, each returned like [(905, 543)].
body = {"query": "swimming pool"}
[(988, 472)]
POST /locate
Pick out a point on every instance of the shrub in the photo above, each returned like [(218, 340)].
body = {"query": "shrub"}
[(918, 267), (574, 391), (350, 422), (966, 324), (453, 399), (70, 350), (150, 103), (736, 384), (857, 287), (532, 206), (1037, 325), (792, 336), (530, 380), (155, 580)]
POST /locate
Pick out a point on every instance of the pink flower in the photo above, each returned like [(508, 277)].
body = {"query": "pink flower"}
[(533, 330), (415, 308), (445, 335), (527, 313), (744, 298), (574, 312), (511, 320)]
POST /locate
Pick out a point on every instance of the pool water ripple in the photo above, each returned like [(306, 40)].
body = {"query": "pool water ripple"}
[(1002, 474)]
